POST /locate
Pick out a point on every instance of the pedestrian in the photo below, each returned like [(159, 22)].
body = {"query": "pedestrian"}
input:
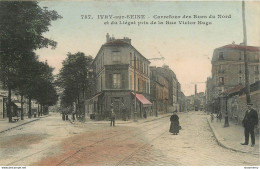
[(145, 114), (73, 116), (174, 127), (220, 116), (249, 122), (112, 117), (211, 117)]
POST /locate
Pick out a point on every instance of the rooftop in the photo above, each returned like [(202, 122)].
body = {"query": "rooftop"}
[(241, 47)]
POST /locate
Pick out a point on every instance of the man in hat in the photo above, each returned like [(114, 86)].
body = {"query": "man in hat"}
[(249, 122), (112, 117)]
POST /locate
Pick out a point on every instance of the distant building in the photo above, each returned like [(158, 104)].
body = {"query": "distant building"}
[(170, 76), (159, 94), (228, 71), (196, 102), (114, 74)]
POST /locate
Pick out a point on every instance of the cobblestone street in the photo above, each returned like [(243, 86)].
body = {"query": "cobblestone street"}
[(51, 141)]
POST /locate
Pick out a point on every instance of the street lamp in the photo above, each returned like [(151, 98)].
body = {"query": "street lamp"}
[(226, 124)]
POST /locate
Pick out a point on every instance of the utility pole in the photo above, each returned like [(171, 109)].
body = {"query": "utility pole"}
[(135, 112), (248, 99)]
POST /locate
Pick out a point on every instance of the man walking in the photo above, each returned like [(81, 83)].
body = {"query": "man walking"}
[(249, 122)]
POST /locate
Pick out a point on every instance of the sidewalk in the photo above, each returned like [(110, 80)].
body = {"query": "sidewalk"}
[(5, 125), (231, 137)]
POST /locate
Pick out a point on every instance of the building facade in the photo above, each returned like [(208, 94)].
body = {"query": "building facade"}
[(160, 92), (119, 70), (170, 76), (228, 71)]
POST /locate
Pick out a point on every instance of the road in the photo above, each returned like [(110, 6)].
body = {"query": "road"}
[(52, 141)]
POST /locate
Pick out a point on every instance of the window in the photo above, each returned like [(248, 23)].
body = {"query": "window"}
[(116, 81), (240, 56), (116, 56), (131, 85), (240, 68), (221, 80), (256, 69), (221, 56), (138, 84), (220, 69), (240, 80), (257, 58), (131, 59)]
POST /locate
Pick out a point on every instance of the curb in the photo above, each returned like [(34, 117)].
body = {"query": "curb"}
[(19, 125), (221, 144), (24, 123)]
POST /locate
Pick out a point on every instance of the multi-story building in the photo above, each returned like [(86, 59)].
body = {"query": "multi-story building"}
[(167, 73), (228, 70), (159, 94), (228, 66), (115, 66)]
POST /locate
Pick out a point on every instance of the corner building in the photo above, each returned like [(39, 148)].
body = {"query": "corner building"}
[(114, 76)]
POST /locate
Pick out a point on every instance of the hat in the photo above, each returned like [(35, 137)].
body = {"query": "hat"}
[(250, 104)]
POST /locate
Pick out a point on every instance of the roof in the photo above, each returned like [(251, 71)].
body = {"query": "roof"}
[(253, 87), (233, 90), (120, 42), (242, 47), (117, 42)]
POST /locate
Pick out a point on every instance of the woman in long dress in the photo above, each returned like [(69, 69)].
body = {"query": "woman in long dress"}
[(174, 128)]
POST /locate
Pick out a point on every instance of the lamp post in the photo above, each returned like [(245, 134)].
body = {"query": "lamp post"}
[(247, 87), (224, 102)]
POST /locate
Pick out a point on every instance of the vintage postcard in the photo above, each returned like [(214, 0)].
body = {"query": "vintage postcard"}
[(129, 83)]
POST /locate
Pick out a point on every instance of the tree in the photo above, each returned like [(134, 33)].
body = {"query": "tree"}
[(75, 80), (45, 92), (21, 28)]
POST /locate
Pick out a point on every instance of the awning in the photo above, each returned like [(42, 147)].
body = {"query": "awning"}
[(94, 98), (18, 105), (143, 100)]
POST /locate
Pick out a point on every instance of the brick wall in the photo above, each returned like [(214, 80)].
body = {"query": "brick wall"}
[(237, 105)]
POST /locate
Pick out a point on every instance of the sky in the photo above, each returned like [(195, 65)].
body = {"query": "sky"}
[(187, 48)]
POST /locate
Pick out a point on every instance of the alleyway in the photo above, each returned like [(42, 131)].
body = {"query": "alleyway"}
[(52, 141)]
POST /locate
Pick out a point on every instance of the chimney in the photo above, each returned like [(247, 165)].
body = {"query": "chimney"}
[(127, 40), (107, 37), (195, 89)]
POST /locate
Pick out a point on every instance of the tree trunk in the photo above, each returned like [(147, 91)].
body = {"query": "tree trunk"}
[(30, 108), (22, 118), (41, 110), (9, 112), (38, 109), (83, 105)]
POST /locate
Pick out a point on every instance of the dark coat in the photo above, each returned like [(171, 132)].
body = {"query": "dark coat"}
[(174, 128), (250, 119)]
